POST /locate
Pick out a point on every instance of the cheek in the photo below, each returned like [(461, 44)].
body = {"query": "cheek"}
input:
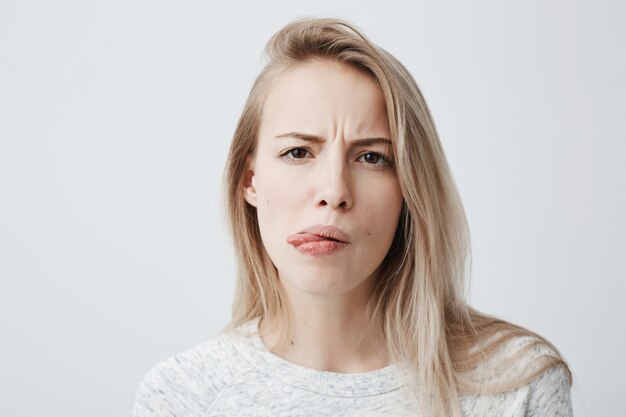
[(280, 205), (382, 214), (281, 192)]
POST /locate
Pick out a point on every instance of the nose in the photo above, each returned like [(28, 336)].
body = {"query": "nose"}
[(334, 188)]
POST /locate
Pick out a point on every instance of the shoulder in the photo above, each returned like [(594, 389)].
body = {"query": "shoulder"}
[(188, 382), (515, 352), (550, 393), (529, 376)]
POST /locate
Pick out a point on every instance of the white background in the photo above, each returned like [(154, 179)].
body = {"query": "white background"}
[(115, 121)]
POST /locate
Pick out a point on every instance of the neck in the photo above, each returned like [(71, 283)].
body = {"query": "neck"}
[(329, 333)]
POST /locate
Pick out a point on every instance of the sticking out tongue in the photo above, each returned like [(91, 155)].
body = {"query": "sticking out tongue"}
[(301, 238)]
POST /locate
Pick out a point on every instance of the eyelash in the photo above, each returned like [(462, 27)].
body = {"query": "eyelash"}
[(386, 162)]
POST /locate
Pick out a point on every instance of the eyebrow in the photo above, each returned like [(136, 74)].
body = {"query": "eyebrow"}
[(317, 139)]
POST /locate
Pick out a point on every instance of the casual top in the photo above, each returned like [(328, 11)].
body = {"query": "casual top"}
[(234, 374)]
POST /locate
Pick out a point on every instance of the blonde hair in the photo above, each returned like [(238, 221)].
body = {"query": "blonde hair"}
[(419, 301)]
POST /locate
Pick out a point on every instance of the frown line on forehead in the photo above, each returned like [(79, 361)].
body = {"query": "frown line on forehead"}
[(318, 139)]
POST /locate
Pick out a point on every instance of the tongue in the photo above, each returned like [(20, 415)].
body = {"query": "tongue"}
[(300, 238)]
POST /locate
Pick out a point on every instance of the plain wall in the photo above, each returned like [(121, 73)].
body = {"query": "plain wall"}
[(115, 122)]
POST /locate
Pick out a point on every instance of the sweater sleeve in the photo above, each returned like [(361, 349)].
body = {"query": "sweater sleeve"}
[(164, 391), (184, 384), (549, 395)]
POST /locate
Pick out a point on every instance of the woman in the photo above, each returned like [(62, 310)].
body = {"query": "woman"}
[(352, 246)]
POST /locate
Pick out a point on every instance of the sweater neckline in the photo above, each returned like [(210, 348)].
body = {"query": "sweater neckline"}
[(329, 383)]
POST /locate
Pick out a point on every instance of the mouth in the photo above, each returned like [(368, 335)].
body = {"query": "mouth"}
[(321, 231), (301, 238), (315, 245), (319, 240)]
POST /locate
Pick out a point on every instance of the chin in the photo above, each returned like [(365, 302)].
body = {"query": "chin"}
[(319, 284)]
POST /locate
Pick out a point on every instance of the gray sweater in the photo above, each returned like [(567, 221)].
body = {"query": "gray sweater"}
[(234, 374)]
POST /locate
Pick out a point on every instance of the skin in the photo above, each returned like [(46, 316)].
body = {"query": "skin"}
[(294, 183)]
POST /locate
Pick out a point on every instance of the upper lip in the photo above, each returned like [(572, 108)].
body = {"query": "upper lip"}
[(331, 232)]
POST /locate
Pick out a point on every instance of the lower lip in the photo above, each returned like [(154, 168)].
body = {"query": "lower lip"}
[(323, 247)]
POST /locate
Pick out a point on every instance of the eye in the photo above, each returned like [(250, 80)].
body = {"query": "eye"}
[(373, 159), (376, 159), (294, 154)]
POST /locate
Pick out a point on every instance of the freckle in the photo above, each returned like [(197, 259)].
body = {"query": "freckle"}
[(267, 201)]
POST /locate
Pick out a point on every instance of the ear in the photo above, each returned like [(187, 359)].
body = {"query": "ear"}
[(249, 190)]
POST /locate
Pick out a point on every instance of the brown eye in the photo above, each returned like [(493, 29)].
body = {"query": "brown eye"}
[(297, 153), (376, 160), (372, 157)]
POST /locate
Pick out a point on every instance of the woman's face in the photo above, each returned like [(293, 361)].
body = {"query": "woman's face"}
[(338, 180)]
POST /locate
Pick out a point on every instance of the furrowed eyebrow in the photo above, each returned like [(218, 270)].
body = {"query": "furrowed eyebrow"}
[(317, 139)]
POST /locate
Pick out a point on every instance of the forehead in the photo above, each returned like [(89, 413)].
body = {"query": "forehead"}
[(322, 95)]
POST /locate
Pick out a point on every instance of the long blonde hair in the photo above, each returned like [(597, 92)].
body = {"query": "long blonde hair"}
[(419, 300)]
